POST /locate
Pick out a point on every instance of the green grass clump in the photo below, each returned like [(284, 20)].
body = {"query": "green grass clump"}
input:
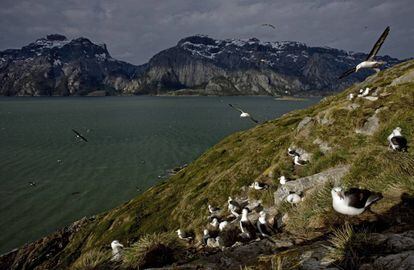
[(91, 260), (153, 250), (345, 246)]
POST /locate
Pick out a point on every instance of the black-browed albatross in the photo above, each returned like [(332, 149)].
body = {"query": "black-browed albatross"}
[(353, 201), (244, 114), (370, 62), (78, 135)]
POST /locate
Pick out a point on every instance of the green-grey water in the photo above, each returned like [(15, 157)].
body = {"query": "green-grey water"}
[(132, 140)]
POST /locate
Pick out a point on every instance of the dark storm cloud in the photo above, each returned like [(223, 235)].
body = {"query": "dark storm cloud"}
[(136, 30)]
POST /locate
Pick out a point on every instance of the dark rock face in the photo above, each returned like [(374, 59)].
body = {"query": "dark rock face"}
[(250, 67), (196, 65), (57, 66)]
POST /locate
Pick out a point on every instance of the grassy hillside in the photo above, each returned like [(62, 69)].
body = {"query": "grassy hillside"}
[(260, 153)]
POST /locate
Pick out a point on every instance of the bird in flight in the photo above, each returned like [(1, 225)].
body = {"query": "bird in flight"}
[(370, 62), (269, 25), (78, 135), (244, 114)]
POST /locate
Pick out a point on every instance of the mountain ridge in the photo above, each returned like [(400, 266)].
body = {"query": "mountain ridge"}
[(197, 65)]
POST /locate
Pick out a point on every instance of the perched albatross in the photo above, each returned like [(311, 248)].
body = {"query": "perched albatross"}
[(234, 207), (370, 62), (183, 235), (78, 135), (259, 186), (247, 228), (354, 201), (293, 198), (263, 225), (397, 140), (244, 114), (282, 180), (298, 161), (213, 210), (117, 249), (292, 152)]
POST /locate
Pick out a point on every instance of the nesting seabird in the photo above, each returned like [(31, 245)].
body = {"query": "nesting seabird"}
[(223, 225), (354, 201), (370, 62), (213, 210), (215, 242), (234, 207), (259, 186), (244, 114), (298, 161), (117, 249), (397, 141), (184, 236), (78, 135), (292, 152), (247, 228), (282, 180), (206, 236), (263, 225), (293, 198)]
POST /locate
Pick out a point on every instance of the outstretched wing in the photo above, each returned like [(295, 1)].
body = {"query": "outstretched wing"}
[(254, 120), (79, 135), (269, 25), (378, 44), (347, 73), (236, 108)]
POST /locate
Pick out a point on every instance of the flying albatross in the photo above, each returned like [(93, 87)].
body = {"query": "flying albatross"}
[(353, 201), (269, 25), (244, 114), (78, 135), (397, 140), (370, 62)]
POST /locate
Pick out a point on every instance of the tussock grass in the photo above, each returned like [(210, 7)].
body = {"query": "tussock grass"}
[(153, 250), (91, 260), (345, 246)]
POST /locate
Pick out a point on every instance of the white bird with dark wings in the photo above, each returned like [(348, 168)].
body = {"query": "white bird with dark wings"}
[(370, 62), (353, 201), (244, 114)]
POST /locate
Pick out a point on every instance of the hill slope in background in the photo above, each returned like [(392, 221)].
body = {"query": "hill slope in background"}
[(197, 65), (347, 145)]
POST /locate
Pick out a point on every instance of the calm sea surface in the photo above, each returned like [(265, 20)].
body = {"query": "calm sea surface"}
[(132, 140)]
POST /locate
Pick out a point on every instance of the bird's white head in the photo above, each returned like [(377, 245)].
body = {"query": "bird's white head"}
[(178, 231), (214, 222), (337, 192), (245, 211), (397, 131), (230, 199), (262, 214), (205, 232), (358, 67), (282, 180), (115, 244)]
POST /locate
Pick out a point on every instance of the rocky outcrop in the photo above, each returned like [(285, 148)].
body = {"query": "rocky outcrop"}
[(301, 185)]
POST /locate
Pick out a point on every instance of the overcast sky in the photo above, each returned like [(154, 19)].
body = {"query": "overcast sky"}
[(135, 30)]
